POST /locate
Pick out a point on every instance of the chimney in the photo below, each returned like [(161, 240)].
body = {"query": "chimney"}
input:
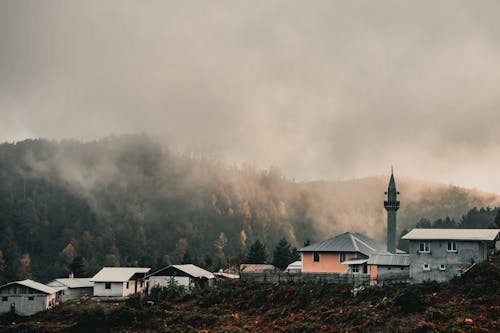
[(71, 275)]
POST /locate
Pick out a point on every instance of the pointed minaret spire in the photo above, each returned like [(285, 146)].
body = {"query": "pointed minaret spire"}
[(391, 205)]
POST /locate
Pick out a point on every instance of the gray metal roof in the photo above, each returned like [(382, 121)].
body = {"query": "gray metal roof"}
[(453, 234), (118, 274), (72, 283), (347, 242), (389, 260), (33, 285)]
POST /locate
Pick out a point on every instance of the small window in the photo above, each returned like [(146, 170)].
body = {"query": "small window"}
[(426, 267), (343, 256), (127, 284), (5, 299), (442, 267), (402, 268), (425, 248), (452, 246), (107, 285), (316, 256), (31, 298), (355, 269), (388, 268)]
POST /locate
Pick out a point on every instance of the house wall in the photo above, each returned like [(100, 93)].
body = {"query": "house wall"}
[(22, 305), (132, 287), (329, 262), (117, 289), (165, 281), (74, 293), (467, 253)]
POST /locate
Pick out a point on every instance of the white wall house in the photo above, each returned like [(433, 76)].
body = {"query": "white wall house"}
[(72, 288), (26, 297), (189, 276), (441, 254), (120, 281)]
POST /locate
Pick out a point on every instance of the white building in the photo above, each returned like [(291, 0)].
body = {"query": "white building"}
[(26, 297), (441, 254), (294, 267), (188, 276), (72, 288), (120, 281)]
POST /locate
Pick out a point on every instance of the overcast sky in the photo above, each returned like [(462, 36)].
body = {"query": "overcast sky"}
[(322, 89)]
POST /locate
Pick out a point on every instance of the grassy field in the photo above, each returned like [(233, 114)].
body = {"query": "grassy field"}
[(468, 304)]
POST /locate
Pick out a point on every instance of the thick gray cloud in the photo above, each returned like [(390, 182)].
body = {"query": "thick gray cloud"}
[(322, 89)]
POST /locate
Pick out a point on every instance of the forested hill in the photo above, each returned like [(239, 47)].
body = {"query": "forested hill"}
[(128, 200)]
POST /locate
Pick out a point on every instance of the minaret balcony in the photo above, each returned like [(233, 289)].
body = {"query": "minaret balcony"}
[(391, 204)]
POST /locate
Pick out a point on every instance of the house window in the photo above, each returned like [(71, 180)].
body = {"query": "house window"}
[(107, 285), (5, 299), (426, 267), (424, 248), (442, 267), (31, 298), (355, 269), (316, 256), (343, 256), (452, 246), (127, 284)]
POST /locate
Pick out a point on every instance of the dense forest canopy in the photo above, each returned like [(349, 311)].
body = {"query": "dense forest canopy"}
[(128, 200)]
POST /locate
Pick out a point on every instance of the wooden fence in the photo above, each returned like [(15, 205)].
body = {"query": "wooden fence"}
[(308, 278)]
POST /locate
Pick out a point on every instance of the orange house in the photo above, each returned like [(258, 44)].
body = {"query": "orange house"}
[(347, 252)]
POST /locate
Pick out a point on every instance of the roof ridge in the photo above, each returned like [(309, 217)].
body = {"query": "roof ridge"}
[(354, 242), (364, 243)]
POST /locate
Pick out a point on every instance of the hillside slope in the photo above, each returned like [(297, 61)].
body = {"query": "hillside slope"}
[(130, 201)]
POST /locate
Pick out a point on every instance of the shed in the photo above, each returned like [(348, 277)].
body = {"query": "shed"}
[(27, 297)]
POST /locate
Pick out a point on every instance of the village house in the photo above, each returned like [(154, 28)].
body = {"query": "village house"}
[(72, 288), (26, 297), (395, 267), (347, 252), (189, 276), (120, 281), (441, 254)]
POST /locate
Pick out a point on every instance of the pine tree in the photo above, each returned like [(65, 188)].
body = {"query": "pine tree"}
[(78, 267), (257, 253), (283, 254)]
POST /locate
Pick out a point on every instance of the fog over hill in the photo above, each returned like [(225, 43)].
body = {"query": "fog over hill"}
[(128, 200)]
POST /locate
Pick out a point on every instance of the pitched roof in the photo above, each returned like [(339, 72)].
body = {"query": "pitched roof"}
[(189, 269), (256, 268), (294, 265), (118, 274), (453, 234), (389, 260), (33, 285), (72, 283), (346, 242)]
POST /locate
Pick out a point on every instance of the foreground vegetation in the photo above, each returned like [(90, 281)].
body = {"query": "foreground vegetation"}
[(468, 304)]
